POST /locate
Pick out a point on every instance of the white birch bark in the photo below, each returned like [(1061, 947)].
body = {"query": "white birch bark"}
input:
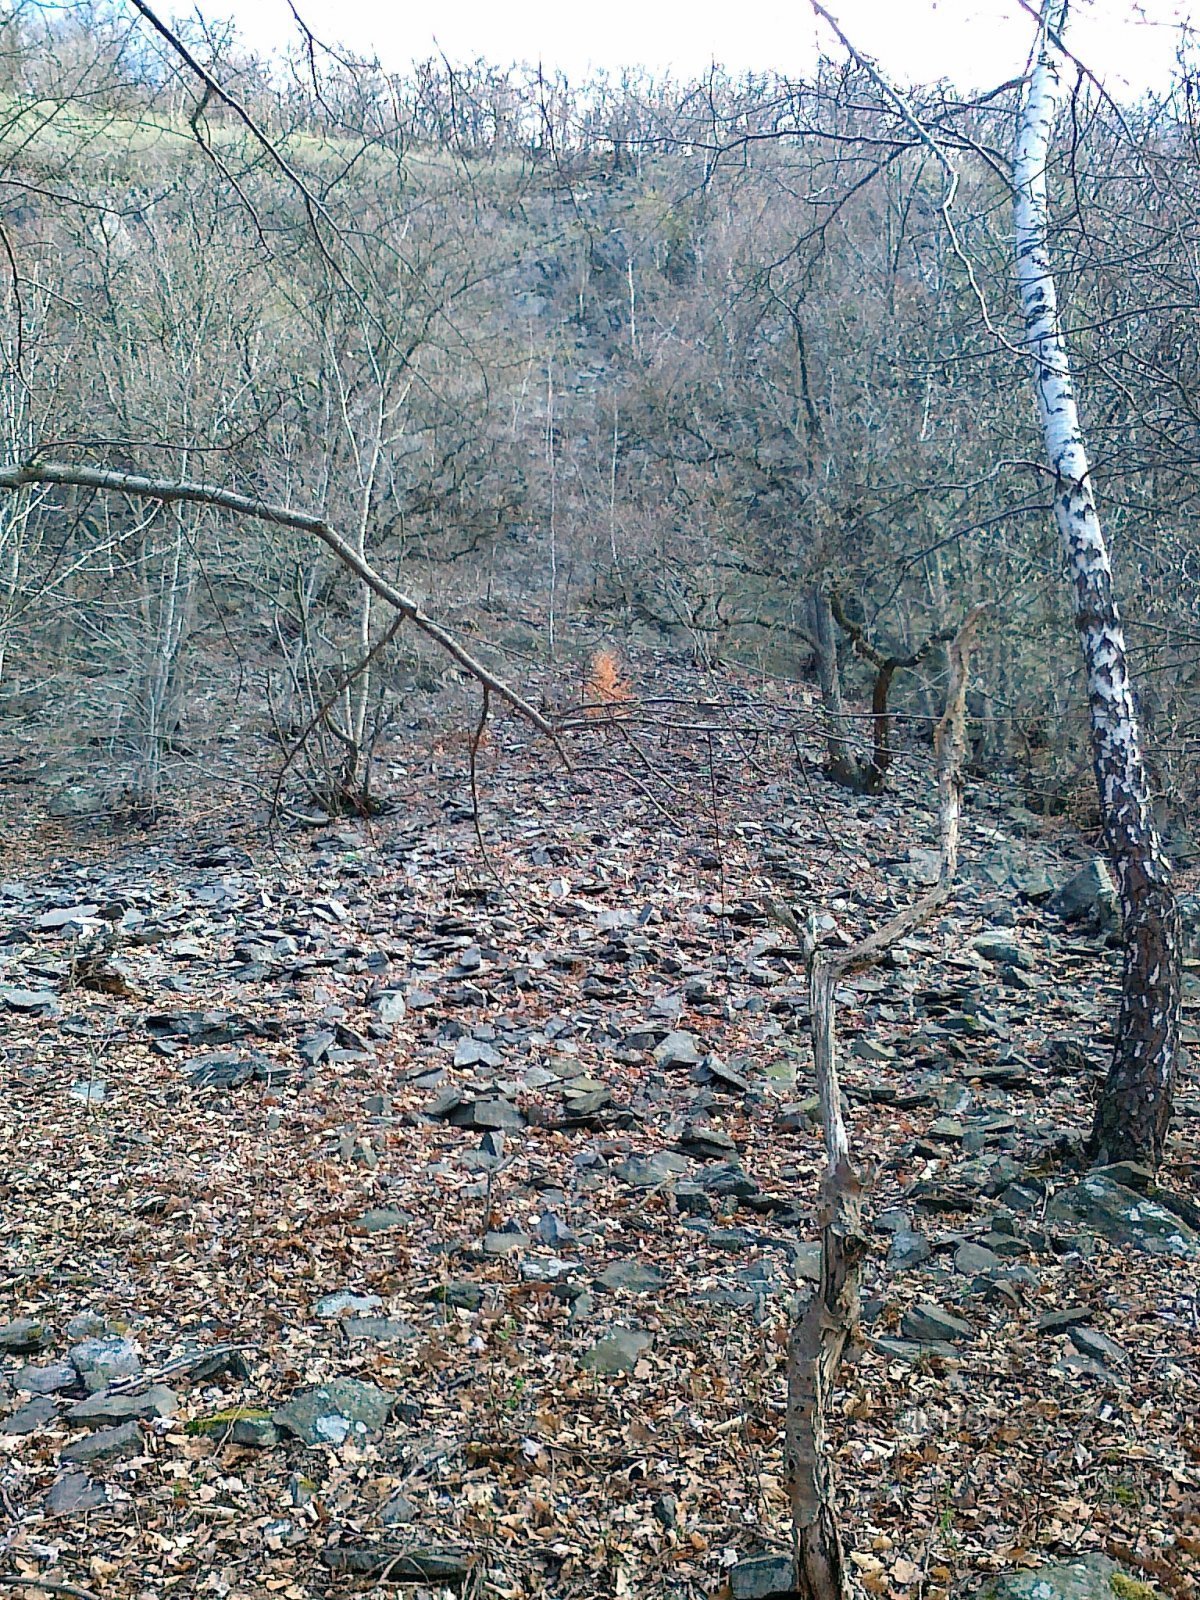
[(1134, 1110)]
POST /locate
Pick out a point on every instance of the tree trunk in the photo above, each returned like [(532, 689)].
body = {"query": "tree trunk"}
[(844, 766), (1134, 1109)]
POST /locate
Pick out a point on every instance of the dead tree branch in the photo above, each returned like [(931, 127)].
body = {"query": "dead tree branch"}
[(827, 1322), (207, 494)]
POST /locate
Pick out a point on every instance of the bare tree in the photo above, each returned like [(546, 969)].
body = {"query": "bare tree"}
[(1133, 1112)]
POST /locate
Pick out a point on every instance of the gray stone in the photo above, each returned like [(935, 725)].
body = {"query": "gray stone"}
[(377, 1330), (28, 1418), (23, 1336), (62, 916), (390, 1007), (761, 1577), (382, 1219), (106, 1444), (46, 1380), (98, 1361), (397, 1511), (105, 1408), (1060, 1321), (915, 1350), (1098, 1346), (634, 1277), (504, 1241), (76, 1492), (927, 1322), (1002, 951), (649, 1172), (29, 999), (618, 1351), (1131, 1221), (972, 1259), (462, 1295), (476, 1053), (678, 1050), (330, 1306), (908, 1250), (331, 1412), (249, 1425), (1090, 894), (92, 1091), (1089, 1577)]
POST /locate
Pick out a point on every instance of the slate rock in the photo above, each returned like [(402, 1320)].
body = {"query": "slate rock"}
[(1002, 951), (248, 1425), (475, 1053), (28, 1418), (706, 1143), (462, 1295), (928, 1323), (329, 1413), (490, 1113), (1060, 1321), (584, 1097), (972, 1259), (1088, 1577), (504, 1241), (383, 1219), (1098, 1346), (106, 1444), (678, 1049), (650, 1172), (98, 1361), (399, 1565), (63, 916), (1129, 1220), (51, 1379), (761, 1578), (907, 1250), (29, 999), (397, 1511), (377, 1330), (330, 1306), (219, 1069), (390, 1007), (631, 1277), (618, 1351), (76, 1492), (1090, 894), (107, 1408)]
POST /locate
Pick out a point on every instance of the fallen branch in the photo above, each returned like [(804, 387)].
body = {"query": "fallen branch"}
[(207, 494), (827, 1322), (49, 1588)]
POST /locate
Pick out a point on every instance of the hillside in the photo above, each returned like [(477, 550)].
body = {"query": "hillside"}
[(405, 1202)]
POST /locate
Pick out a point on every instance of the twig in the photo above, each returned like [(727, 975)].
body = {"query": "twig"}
[(49, 1588)]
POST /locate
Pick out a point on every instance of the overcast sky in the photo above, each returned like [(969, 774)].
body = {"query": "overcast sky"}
[(976, 43)]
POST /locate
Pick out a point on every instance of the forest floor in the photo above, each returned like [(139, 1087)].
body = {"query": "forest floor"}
[(402, 1205)]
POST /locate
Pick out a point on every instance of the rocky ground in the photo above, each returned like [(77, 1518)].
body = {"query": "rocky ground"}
[(378, 1210)]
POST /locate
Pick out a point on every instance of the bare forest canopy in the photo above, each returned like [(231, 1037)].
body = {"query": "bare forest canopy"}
[(654, 361)]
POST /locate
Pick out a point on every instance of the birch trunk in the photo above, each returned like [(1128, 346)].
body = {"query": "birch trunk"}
[(1134, 1109)]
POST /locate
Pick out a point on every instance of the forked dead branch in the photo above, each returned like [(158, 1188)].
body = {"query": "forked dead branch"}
[(829, 1319)]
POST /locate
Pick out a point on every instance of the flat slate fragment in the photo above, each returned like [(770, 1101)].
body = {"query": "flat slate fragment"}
[(390, 1564), (97, 1409), (1099, 1205), (1091, 1577), (330, 1412)]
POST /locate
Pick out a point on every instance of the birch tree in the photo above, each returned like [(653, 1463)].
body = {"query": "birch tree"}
[(1133, 1112)]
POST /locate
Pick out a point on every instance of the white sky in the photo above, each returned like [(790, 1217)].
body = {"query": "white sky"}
[(975, 43)]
